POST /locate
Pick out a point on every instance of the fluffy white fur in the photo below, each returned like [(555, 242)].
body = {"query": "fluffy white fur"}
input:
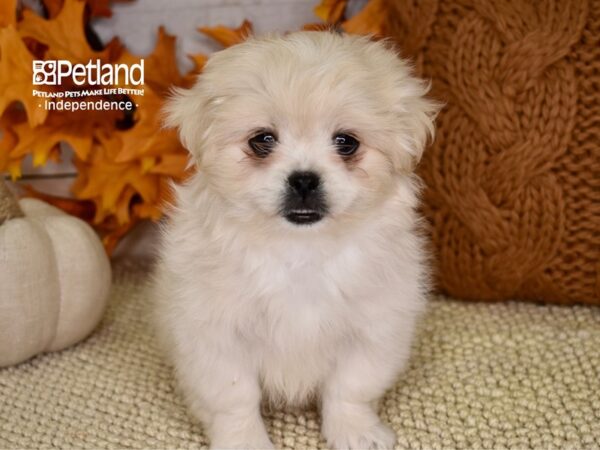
[(250, 305)]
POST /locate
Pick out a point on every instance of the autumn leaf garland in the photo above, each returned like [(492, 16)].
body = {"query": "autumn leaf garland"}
[(124, 162)]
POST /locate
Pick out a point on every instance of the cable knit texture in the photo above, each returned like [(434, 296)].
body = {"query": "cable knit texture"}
[(514, 173), (482, 376)]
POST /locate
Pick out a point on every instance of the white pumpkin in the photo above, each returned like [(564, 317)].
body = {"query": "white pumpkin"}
[(54, 278)]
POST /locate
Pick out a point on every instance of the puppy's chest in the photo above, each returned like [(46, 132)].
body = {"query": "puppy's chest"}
[(302, 323), (302, 300)]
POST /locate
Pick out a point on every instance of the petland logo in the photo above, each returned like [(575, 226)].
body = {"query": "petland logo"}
[(97, 81), (94, 73)]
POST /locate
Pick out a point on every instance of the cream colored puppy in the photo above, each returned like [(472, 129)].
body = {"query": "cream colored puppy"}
[(292, 266)]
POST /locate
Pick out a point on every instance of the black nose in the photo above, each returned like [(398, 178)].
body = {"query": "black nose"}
[(304, 183)]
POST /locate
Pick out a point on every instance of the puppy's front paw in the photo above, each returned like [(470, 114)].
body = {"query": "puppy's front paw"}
[(355, 436)]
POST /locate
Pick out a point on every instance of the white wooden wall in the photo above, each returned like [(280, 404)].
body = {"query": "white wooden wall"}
[(136, 22)]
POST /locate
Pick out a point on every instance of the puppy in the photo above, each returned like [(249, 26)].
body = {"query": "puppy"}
[(292, 266)]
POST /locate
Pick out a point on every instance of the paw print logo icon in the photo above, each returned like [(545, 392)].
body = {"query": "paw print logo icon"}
[(44, 72)]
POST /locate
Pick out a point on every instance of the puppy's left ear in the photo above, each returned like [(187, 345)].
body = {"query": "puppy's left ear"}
[(414, 116), (185, 111)]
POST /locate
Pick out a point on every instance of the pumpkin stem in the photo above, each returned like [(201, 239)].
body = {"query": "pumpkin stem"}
[(9, 208)]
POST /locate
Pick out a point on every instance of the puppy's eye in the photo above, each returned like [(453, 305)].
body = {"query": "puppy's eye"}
[(262, 144), (345, 144)]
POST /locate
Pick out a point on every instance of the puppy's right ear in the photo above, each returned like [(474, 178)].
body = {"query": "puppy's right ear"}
[(185, 110)]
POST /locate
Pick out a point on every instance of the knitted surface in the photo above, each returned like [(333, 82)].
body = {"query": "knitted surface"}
[(514, 173), (503, 375)]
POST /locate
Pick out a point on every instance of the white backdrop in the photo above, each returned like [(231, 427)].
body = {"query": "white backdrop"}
[(136, 22)]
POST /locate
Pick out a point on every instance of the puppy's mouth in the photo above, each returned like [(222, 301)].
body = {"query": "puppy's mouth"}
[(304, 199), (303, 216)]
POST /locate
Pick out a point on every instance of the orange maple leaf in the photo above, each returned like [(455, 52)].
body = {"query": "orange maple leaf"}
[(228, 36), (83, 209), (53, 7), (104, 181), (16, 76), (370, 20), (160, 67), (154, 210), (8, 12), (146, 135), (8, 140), (331, 11), (97, 8), (175, 165), (64, 34), (146, 141), (78, 129), (117, 232)]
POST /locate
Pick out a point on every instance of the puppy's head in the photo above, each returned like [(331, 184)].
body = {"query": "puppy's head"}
[(304, 130)]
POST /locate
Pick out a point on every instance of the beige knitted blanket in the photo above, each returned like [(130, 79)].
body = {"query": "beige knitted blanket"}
[(490, 376)]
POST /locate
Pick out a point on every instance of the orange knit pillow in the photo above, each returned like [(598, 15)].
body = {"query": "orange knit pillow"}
[(514, 173)]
